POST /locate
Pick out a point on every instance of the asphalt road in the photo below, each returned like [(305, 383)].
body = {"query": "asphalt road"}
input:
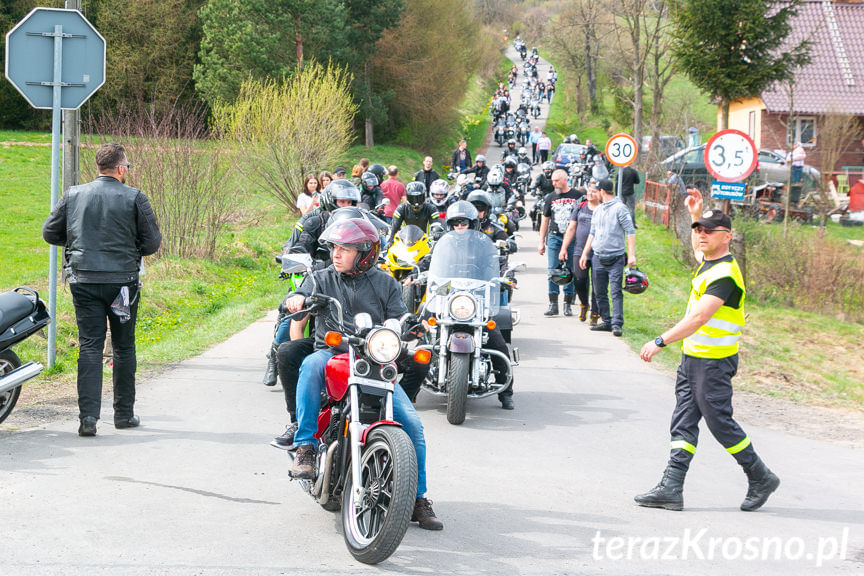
[(545, 489)]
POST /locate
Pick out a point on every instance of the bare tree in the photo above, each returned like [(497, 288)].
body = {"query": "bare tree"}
[(660, 64), (837, 134), (575, 40)]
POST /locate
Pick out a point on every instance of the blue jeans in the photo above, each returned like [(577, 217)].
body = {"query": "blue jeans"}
[(283, 332), (606, 276), (308, 404), (553, 247)]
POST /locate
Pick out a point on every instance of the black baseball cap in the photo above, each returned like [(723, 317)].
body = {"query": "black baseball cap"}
[(339, 170), (713, 219), (605, 184)]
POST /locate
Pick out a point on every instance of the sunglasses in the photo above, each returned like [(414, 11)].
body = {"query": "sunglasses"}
[(460, 222), (703, 230)]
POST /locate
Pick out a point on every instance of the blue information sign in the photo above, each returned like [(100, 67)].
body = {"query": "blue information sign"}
[(728, 190)]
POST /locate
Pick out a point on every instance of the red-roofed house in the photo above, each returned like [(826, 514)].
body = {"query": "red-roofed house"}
[(832, 82)]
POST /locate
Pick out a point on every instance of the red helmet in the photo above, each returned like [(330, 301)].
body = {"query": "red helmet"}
[(358, 234)]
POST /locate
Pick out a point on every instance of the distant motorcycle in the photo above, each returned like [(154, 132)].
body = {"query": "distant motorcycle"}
[(22, 314)]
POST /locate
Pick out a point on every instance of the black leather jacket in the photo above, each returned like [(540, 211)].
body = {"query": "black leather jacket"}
[(106, 228), (304, 237), (405, 214), (374, 292)]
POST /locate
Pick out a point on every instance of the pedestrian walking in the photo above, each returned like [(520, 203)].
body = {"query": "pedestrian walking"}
[(557, 208), (544, 145), (461, 158), (710, 330), (534, 138), (105, 228), (394, 191), (571, 249), (611, 232)]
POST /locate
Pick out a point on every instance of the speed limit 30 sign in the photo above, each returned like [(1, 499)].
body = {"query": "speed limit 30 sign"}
[(730, 156), (621, 150)]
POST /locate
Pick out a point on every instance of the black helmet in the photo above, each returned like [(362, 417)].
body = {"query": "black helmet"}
[(379, 171), (510, 162), (355, 233), (339, 190), (369, 180), (635, 281), (462, 210), (357, 212), (481, 200), (561, 275), (548, 167), (415, 192)]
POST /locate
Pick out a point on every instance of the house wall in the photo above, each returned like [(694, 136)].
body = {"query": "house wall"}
[(739, 117), (773, 137)]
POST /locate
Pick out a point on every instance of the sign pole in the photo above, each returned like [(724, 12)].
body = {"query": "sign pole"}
[(55, 180)]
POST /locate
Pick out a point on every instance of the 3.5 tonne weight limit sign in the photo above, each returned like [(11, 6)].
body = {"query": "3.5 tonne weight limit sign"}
[(730, 156)]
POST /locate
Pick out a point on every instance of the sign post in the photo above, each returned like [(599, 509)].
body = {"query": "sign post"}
[(621, 150), (55, 43)]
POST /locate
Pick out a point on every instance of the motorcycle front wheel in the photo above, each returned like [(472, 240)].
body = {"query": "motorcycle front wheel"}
[(375, 523), (8, 361), (458, 368)]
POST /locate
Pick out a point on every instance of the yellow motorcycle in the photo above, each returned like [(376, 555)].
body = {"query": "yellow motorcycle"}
[(409, 246)]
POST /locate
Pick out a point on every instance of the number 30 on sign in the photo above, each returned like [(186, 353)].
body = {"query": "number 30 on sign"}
[(621, 149), (730, 156)]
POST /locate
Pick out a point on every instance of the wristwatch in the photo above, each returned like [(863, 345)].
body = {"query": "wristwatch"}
[(658, 341)]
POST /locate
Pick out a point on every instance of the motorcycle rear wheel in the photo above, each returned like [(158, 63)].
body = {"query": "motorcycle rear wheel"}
[(408, 297), (458, 368), (8, 361), (374, 527)]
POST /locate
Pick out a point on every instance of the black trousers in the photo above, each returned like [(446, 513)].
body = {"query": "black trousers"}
[(496, 342), (704, 390), (93, 314), (583, 281), (290, 356)]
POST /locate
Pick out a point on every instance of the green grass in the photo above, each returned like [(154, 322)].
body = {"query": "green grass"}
[(785, 352), (20, 136)]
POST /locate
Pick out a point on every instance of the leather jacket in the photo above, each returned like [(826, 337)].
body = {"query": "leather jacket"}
[(106, 228)]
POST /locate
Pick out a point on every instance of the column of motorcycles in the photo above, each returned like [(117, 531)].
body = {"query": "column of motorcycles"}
[(365, 462)]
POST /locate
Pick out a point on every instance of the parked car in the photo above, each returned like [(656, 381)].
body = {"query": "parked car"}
[(772, 167), (568, 153)]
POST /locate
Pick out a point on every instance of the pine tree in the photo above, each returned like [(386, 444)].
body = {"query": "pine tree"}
[(735, 49)]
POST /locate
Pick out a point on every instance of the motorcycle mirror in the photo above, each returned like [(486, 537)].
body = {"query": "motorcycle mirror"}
[(517, 267), (363, 321), (393, 324)]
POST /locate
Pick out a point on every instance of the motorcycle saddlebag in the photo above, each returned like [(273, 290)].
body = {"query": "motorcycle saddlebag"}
[(504, 318), (21, 314)]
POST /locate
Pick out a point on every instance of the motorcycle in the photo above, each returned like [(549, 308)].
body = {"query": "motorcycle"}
[(22, 313), (537, 209), (463, 297), (365, 462), (535, 107), (524, 131), (523, 179), (410, 245), (499, 134)]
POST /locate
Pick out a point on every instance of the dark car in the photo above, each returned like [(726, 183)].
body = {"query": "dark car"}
[(569, 153)]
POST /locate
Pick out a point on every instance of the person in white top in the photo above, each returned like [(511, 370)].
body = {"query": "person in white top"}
[(308, 196), (798, 157)]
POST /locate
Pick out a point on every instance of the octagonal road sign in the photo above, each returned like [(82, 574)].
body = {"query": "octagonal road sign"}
[(30, 53)]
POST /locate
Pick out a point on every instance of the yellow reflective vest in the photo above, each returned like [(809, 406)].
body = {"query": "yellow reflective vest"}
[(717, 338)]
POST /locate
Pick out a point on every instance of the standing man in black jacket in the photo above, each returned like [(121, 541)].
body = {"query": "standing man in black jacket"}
[(106, 228), (629, 179), (427, 175)]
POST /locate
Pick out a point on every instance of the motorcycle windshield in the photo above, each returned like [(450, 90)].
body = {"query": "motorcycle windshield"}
[(410, 235), (465, 262)]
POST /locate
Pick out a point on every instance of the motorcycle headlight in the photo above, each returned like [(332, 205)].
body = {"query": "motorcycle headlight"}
[(462, 307), (383, 345)]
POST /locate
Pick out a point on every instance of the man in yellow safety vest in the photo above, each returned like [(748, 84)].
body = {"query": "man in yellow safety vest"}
[(710, 331)]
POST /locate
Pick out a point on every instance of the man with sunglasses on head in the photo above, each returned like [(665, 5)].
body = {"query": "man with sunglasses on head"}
[(106, 228), (710, 330)]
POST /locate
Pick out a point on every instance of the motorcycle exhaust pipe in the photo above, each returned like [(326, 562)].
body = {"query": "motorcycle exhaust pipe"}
[(18, 376), (325, 484)]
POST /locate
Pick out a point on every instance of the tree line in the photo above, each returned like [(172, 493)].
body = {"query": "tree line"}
[(409, 60)]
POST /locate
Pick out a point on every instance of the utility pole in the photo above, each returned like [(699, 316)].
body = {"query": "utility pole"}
[(71, 133)]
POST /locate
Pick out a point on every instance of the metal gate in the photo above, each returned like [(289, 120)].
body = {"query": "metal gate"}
[(657, 202)]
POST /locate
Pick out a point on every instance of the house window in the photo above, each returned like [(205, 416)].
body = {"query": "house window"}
[(805, 131), (751, 125)]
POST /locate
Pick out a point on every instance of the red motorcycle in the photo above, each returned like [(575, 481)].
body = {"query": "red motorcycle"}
[(365, 462)]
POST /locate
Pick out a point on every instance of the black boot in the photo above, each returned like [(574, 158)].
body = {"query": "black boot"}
[(553, 306), (668, 494), (270, 374), (568, 303), (761, 482)]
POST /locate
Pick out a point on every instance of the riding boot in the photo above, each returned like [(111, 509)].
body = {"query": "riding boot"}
[(568, 304), (761, 482), (595, 319), (583, 313), (668, 494), (270, 374), (553, 306)]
